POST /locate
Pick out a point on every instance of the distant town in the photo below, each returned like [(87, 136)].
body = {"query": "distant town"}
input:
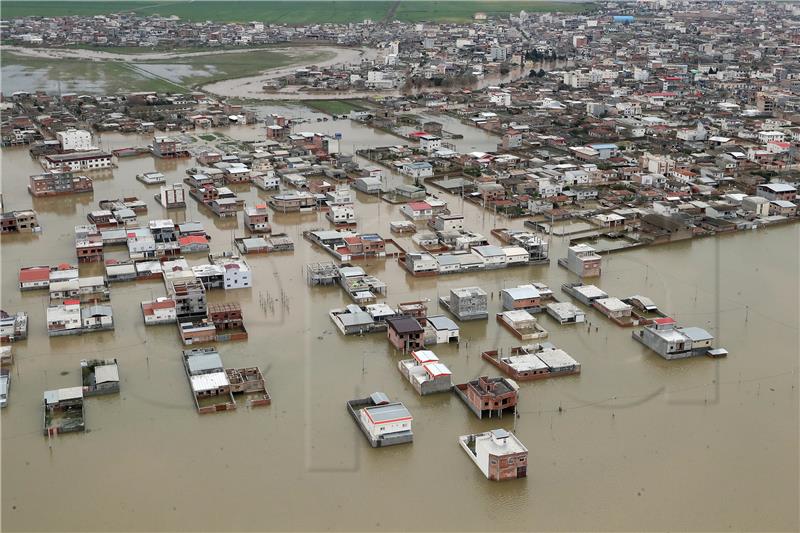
[(502, 165)]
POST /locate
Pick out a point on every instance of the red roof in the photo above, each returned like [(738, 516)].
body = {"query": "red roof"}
[(665, 320), (34, 274), (192, 239), (72, 302), (419, 206)]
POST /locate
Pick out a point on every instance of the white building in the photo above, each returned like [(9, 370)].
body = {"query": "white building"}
[(385, 420), (341, 214), (172, 196), (159, 311), (430, 143), (419, 169), (577, 79), (500, 98), (75, 140)]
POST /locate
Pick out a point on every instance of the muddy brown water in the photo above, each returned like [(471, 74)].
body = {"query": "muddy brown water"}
[(632, 443)]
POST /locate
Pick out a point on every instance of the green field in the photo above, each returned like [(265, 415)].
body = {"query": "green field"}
[(335, 107), (288, 11), (464, 10), (166, 75)]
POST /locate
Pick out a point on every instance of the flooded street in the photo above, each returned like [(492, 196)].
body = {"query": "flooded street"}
[(632, 442)]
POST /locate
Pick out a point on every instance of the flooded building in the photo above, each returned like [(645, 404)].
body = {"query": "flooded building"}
[(59, 183), (426, 373), (468, 303), (64, 319), (384, 423), (525, 297), (77, 161), (24, 221), (209, 382), (566, 313), (13, 327), (522, 324), (669, 341), (582, 260), (63, 411), (498, 454), (228, 321), (159, 311), (405, 333), (487, 396), (440, 330), (256, 219), (533, 361), (250, 383), (172, 196), (99, 376)]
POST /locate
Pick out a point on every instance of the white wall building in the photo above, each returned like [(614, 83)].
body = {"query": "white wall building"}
[(75, 140)]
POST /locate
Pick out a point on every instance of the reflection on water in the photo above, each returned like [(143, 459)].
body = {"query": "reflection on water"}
[(605, 445)]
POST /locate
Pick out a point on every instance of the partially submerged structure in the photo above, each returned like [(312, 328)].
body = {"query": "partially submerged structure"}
[(669, 341), (566, 313), (425, 373), (487, 396), (384, 423), (211, 388), (533, 361), (468, 303), (498, 454), (63, 411), (522, 324), (583, 261), (99, 376)]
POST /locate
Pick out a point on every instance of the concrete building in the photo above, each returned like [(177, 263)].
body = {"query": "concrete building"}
[(73, 140), (405, 333), (468, 303), (440, 330), (669, 341), (566, 313), (777, 191), (582, 260), (489, 396), (59, 183), (498, 454), (77, 161), (172, 196), (159, 311), (384, 423), (525, 297), (425, 373)]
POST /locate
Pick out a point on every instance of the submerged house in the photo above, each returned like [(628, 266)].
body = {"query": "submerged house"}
[(405, 333), (566, 313), (468, 303), (498, 454), (210, 385), (669, 341), (384, 423), (100, 376), (533, 361), (526, 297), (582, 260), (63, 411), (425, 373), (97, 317), (486, 396)]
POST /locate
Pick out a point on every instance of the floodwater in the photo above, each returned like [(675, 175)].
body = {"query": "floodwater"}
[(632, 443)]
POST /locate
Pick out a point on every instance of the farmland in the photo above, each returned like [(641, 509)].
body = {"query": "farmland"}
[(177, 74), (335, 107), (291, 12)]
